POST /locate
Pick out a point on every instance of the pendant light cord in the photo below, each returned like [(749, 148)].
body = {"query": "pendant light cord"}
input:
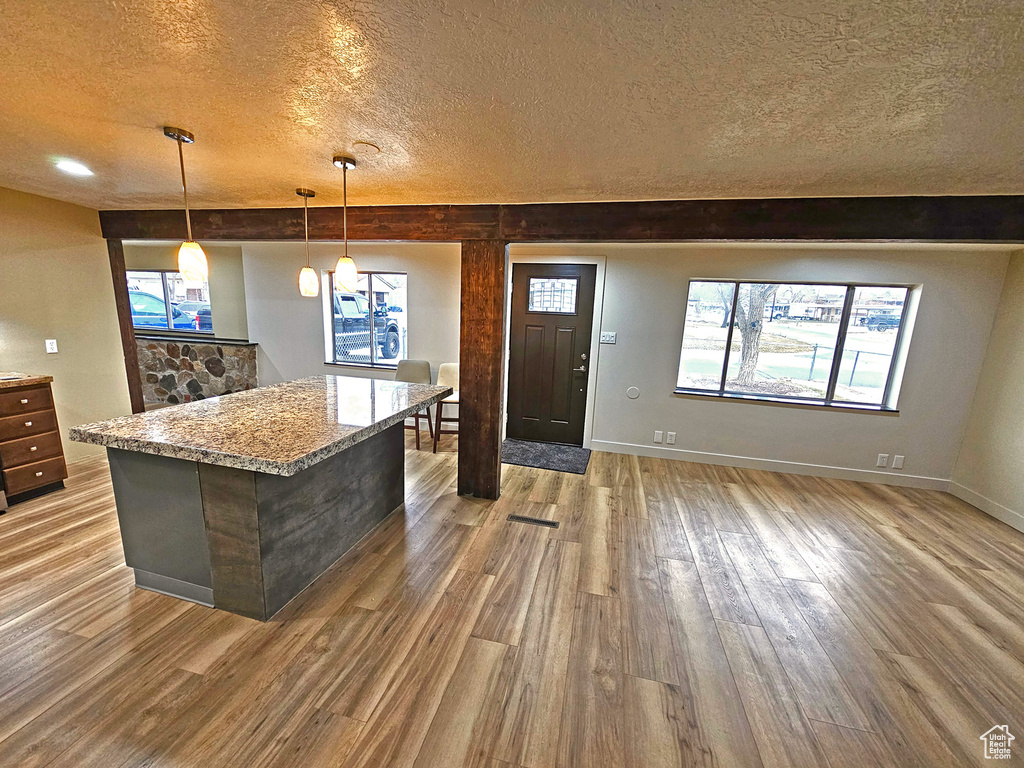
[(305, 219), (184, 188), (344, 192)]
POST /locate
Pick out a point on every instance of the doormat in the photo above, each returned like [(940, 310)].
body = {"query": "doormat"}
[(554, 456)]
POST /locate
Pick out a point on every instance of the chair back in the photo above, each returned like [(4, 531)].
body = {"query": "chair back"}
[(413, 371), (448, 376)]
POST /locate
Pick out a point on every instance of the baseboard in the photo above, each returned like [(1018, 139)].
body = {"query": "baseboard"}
[(166, 585), (986, 505), (771, 465)]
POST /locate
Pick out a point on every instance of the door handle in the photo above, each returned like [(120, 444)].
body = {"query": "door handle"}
[(581, 369)]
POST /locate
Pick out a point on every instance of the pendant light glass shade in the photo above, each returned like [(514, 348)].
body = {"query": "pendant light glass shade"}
[(192, 263), (309, 283), (346, 276)]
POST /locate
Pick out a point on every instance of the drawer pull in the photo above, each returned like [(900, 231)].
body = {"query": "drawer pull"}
[(33, 448), (24, 401), (28, 423), (39, 474)]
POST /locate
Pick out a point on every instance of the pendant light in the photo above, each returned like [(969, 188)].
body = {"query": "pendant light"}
[(346, 276), (309, 283), (191, 259)]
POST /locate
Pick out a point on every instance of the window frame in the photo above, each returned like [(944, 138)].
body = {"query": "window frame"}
[(829, 400), (332, 345), (168, 307)]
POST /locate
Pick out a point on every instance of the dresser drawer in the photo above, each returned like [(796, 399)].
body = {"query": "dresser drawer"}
[(14, 427), (25, 401), (29, 476), (14, 453)]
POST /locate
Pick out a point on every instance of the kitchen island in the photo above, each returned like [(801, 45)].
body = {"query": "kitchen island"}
[(242, 501)]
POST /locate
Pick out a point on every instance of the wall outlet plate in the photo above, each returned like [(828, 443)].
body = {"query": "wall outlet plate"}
[(607, 337), (51, 346), (883, 460), (657, 435), (897, 461), (670, 438)]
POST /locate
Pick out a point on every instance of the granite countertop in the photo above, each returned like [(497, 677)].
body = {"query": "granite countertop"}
[(277, 430), (10, 379)]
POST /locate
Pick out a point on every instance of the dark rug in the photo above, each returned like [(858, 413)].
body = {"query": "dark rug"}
[(560, 458)]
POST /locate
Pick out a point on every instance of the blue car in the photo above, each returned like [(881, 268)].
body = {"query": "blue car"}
[(149, 311)]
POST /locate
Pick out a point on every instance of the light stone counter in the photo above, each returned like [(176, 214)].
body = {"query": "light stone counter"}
[(278, 430), (11, 379)]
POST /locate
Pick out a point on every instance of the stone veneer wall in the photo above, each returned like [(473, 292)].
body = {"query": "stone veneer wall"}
[(177, 372)]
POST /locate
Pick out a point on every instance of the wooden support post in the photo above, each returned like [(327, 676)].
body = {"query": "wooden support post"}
[(115, 249), (481, 367)]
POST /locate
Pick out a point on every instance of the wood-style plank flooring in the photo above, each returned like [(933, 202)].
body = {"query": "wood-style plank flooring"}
[(681, 615)]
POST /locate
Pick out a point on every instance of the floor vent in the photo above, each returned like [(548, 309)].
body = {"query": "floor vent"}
[(533, 521)]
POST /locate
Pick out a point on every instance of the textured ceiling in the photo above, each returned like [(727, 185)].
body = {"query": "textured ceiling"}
[(524, 101)]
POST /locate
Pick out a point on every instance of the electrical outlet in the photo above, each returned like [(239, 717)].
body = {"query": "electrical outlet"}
[(671, 438), (883, 460), (897, 461), (51, 346), (607, 337), (657, 435)]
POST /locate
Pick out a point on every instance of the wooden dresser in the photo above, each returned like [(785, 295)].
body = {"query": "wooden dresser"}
[(31, 454)]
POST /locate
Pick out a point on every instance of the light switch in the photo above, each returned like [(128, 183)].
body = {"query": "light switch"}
[(607, 337), (657, 435), (897, 461), (51, 346)]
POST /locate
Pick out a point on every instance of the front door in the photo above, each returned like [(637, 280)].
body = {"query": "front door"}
[(549, 351)]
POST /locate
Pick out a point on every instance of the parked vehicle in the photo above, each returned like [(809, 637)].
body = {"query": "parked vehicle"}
[(190, 308), (204, 319), (882, 323), (352, 327), (149, 311)]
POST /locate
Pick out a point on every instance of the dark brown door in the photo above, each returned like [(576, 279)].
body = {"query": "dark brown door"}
[(549, 351)]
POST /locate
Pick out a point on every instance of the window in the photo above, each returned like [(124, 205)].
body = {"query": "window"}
[(824, 344), (165, 300), (381, 302), (556, 295)]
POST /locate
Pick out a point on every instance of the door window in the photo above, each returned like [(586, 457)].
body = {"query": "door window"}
[(556, 295)]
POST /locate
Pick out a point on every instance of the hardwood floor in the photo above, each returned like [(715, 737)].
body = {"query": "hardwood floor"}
[(682, 614)]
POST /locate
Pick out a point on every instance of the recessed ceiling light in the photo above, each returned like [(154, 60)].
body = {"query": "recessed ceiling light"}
[(73, 168)]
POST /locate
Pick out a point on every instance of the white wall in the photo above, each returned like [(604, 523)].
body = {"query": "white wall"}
[(645, 302), (990, 469), (55, 284), (290, 330)]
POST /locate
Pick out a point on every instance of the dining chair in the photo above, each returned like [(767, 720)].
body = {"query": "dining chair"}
[(447, 376), (416, 372)]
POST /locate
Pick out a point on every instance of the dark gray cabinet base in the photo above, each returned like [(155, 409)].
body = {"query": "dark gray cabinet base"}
[(248, 542)]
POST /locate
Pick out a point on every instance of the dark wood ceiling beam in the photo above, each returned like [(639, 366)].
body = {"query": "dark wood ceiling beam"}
[(998, 219), (379, 222)]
